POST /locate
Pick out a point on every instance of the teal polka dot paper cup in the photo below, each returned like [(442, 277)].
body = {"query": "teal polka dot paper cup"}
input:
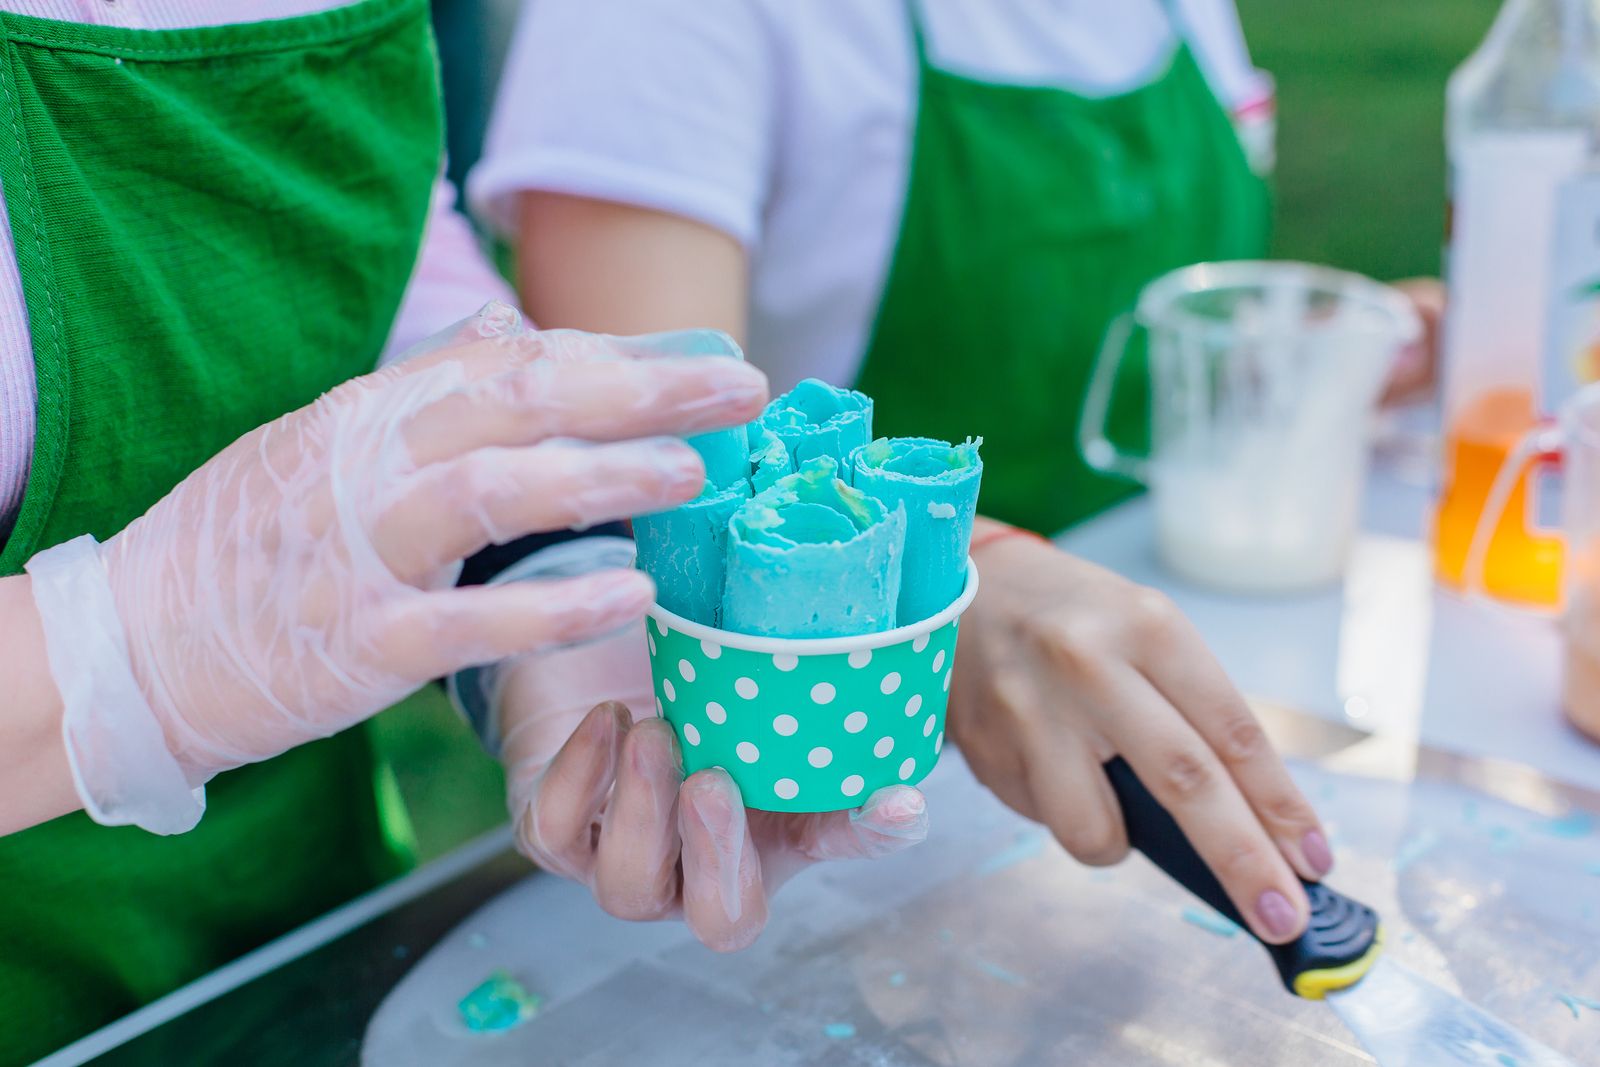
[(813, 724)]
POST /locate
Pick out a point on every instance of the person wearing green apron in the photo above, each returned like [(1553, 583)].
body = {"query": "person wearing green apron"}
[(226, 551), (943, 204)]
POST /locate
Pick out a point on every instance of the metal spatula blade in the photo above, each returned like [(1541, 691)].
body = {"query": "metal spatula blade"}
[(1403, 1020), (1406, 1021)]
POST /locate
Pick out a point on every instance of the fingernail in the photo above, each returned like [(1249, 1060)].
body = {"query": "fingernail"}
[(614, 591), (720, 820), (1276, 913), (680, 463), (497, 319), (677, 751), (620, 712), (713, 806), (901, 805), (1317, 853), (727, 381), (902, 814)]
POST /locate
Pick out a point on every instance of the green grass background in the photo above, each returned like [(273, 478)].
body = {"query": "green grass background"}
[(1360, 185), (1361, 172)]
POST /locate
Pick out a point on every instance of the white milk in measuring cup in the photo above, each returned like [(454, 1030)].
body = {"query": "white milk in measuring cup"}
[(1263, 379)]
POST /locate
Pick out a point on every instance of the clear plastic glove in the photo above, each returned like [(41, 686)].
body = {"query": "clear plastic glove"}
[(1063, 665), (302, 579), (597, 794)]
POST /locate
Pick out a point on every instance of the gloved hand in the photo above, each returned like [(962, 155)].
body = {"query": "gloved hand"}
[(597, 794), (302, 579), (1063, 665)]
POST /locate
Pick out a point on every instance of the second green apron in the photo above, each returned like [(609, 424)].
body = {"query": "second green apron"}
[(1032, 219), (213, 227)]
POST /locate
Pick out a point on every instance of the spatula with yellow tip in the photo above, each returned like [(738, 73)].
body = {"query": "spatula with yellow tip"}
[(1402, 1019)]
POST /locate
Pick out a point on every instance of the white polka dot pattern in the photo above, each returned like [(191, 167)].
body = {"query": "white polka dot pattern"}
[(800, 731)]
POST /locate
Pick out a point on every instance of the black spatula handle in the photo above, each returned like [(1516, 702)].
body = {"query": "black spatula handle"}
[(1341, 932)]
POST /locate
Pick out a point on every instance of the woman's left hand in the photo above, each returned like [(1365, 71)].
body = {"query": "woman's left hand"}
[(1063, 665), (1416, 368)]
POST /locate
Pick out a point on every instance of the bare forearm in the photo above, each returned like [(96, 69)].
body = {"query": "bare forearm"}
[(595, 265), (35, 781)]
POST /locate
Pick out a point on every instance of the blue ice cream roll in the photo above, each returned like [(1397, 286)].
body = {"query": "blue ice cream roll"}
[(769, 458), (813, 557), (685, 550), (726, 452), (815, 419), (937, 485)]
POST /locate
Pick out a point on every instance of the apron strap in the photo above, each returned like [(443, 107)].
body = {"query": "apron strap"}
[(1175, 19), (919, 38)]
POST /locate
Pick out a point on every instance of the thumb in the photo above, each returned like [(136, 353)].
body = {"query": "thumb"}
[(892, 819)]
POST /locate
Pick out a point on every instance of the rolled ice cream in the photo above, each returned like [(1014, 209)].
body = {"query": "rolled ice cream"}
[(937, 485), (686, 550), (815, 419), (813, 557)]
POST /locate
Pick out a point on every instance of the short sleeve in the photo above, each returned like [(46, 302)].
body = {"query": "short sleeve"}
[(1213, 30), (657, 103)]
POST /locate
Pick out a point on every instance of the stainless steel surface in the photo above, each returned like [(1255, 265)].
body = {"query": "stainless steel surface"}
[(988, 946), (1405, 1021), (1435, 749)]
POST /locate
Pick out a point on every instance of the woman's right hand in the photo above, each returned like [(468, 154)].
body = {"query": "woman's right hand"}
[(303, 579)]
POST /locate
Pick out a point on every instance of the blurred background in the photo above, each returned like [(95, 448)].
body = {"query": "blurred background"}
[(1360, 184)]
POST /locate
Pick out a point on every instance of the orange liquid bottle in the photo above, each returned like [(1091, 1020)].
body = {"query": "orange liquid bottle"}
[(1522, 130), (1521, 564)]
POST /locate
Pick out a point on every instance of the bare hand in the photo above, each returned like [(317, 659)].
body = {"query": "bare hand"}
[(1063, 665)]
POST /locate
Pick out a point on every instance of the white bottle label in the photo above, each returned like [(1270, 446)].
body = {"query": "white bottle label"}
[(1572, 324), (1504, 190)]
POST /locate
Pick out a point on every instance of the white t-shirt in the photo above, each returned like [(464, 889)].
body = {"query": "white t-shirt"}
[(787, 124)]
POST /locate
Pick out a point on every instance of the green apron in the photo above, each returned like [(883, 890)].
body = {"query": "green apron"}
[(1032, 218), (214, 226)]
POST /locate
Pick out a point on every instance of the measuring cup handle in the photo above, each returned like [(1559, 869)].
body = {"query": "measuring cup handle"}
[(1096, 446), (1539, 445)]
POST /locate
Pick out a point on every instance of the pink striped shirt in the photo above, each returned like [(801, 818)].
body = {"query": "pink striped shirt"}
[(452, 278)]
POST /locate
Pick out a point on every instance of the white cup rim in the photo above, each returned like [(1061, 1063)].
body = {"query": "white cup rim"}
[(822, 646)]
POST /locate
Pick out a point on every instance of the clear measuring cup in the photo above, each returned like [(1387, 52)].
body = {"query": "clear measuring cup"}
[(1571, 447), (1264, 377)]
